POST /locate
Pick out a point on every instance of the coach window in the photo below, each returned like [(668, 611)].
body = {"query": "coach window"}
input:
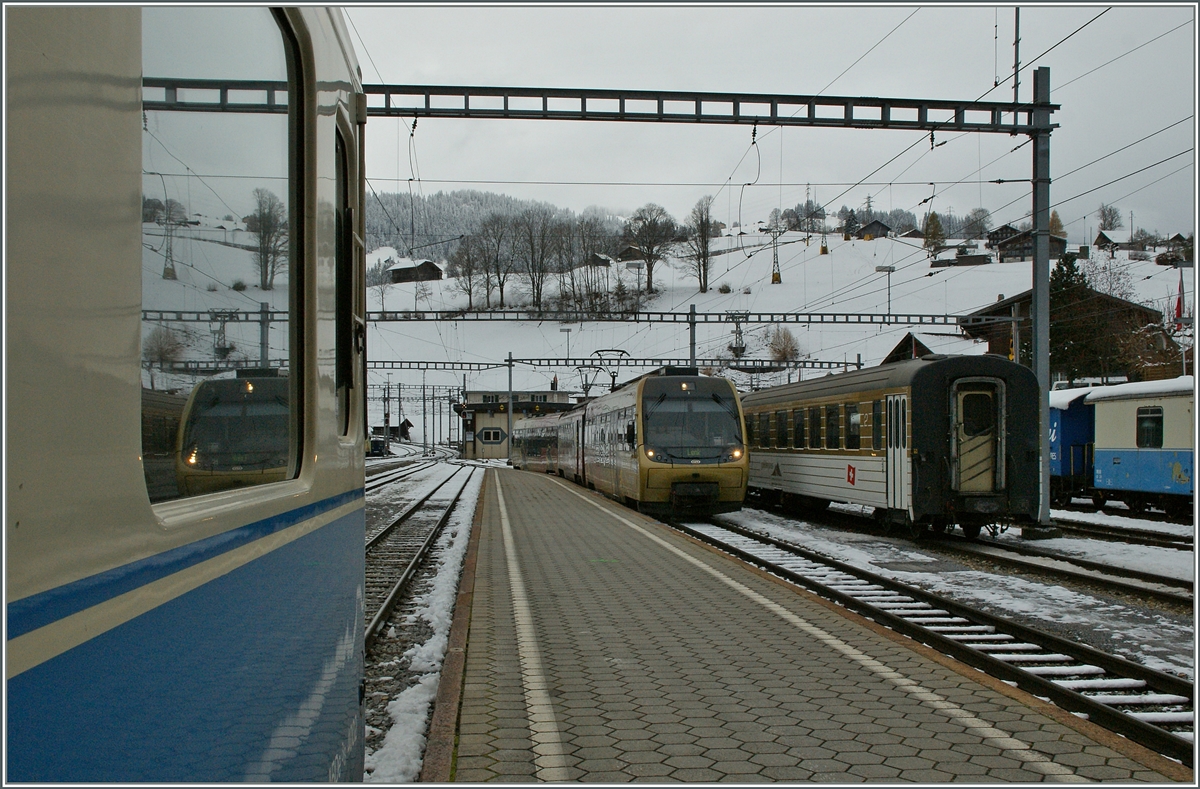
[(798, 428), (853, 428), (1150, 427), (781, 429), (764, 429), (751, 439), (219, 213), (877, 424), (814, 427), (833, 427)]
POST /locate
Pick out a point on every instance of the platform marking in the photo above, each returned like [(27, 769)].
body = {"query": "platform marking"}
[(543, 726), (998, 738)]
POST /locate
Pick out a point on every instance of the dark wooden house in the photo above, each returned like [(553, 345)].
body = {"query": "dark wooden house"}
[(407, 270), (873, 229)]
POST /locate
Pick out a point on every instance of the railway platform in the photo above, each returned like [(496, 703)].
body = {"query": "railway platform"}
[(592, 643)]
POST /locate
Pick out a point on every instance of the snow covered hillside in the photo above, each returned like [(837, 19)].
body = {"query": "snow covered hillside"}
[(845, 280)]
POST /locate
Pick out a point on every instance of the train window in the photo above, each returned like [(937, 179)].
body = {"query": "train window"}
[(751, 439), (798, 428), (781, 429), (814, 427), (344, 267), (219, 210), (764, 429), (877, 424), (1150, 427), (853, 428), (978, 415), (833, 427)]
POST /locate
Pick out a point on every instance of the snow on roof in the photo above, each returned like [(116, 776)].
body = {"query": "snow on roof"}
[(1062, 398), (1170, 387), (1117, 236), (403, 263)]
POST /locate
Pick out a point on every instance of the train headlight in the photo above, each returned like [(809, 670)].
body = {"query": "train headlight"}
[(192, 458), (732, 454), (656, 454)]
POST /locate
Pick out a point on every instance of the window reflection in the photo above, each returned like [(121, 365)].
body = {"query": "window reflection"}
[(216, 252)]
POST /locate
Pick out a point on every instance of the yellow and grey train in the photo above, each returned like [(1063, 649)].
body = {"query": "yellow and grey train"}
[(667, 443), (203, 626), (929, 443)]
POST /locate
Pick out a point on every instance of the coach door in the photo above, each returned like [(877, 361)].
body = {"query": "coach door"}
[(898, 469), (975, 410)]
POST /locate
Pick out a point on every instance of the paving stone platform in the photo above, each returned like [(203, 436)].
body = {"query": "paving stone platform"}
[(604, 647)]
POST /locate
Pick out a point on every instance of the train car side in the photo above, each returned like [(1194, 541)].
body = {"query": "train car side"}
[(1072, 443), (1144, 444), (154, 635), (927, 443)]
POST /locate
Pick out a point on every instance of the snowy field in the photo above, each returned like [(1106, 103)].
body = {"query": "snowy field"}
[(843, 281)]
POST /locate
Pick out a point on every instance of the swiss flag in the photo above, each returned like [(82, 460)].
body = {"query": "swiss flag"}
[(850, 472)]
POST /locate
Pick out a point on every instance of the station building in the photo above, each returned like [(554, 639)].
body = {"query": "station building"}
[(485, 417)]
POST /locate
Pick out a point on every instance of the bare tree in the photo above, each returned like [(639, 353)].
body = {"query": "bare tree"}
[(700, 230), (977, 224), (495, 237), (379, 279), (652, 231), (1110, 217), (161, 347), (466, 265), (534, 240), (270, 223), (783, 345)]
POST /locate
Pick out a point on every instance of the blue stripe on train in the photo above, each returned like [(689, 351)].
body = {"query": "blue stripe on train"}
[(39, 610), (252, 676), (1144, 470)]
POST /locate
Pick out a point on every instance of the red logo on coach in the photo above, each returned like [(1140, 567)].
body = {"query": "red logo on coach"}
[(850, 472)]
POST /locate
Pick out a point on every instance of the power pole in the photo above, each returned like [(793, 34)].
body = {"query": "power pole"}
[(1041, 276), (508, 410)]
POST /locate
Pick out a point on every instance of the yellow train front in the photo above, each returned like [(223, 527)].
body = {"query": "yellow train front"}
[(233, 433), (667, 443)]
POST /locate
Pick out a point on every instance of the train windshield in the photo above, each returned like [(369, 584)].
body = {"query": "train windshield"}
[(690, 418), (232, 426)]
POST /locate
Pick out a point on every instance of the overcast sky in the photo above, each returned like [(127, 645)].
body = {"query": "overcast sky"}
[(931, 51)]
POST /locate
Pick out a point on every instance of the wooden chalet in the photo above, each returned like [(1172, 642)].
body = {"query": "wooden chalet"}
[(872, 229), (408, 270)]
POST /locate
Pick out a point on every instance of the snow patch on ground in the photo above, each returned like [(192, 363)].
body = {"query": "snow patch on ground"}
[(400, 757)]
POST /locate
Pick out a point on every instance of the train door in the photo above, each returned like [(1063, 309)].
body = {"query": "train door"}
[(581, 449), (898, 469), (976, 414)]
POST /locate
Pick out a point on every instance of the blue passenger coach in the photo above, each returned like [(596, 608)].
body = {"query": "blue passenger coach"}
[(164, 632), (1072, 443), (1144, 443)]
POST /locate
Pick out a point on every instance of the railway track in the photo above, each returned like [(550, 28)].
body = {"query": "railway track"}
[(388, 476), (1146, 514), (1150, 707), (1030, 557), (395, 553), (1158, 539)]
